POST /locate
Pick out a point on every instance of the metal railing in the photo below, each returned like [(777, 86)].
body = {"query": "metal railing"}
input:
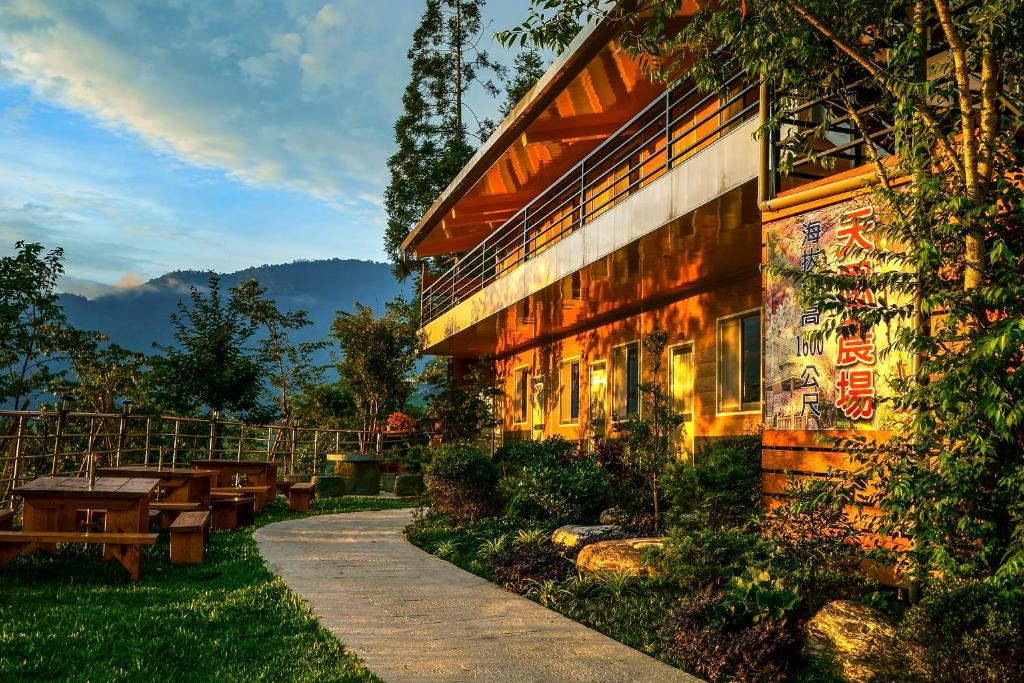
[(675, 126), (34, 443)]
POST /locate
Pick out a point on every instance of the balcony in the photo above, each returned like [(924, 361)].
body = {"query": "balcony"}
[(665, 137)]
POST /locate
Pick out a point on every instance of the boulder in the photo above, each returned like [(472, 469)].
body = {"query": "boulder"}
[(622, 557), (329, 486), (407, 485), (578, 535), (613, 516), (858, 638)]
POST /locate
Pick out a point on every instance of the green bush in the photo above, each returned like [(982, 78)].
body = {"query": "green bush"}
[(693, 558), (462, 482), (724, 486), (966, 631), (415, 459), (543, 483)]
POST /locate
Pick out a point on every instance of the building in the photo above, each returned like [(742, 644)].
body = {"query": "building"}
[(604, 207)]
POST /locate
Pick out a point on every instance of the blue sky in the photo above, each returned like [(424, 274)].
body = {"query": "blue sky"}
[(145, 137)]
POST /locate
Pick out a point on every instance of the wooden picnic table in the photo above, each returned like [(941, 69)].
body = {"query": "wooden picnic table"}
[(260, 477), (177, 484), (51, 504)]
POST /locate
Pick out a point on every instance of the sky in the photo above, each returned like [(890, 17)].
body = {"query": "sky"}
[(151, 136)]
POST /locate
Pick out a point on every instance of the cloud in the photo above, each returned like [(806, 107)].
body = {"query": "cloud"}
[(277, 94)]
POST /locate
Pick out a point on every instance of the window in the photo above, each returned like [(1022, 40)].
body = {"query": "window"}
[(539, 412), (598, 394), (569, 392), (739, 363), (680, 391), (521, 395), (626, 381)]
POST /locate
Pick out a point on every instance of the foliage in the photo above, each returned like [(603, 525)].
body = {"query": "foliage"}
[(103, 375), (694, 557), (723, 486), (75, 617), (520, 565), (415, 459), (432, 134), (326, 405), (210, 363), (542, 484), (287, 365), (399, 422), (526, 71), (965, 631), (753, 653), (647, 443), (377, 358), (630, 493), (461, 408), (461, 482), (751, 598), (33, 329)]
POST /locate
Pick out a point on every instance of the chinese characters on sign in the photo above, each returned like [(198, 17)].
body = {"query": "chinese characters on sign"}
[(814, 381)]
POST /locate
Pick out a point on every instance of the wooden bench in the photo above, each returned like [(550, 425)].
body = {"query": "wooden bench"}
[(189, 532), (13, 543), (261, 494), (170, 511), (6, 520), (300, 495), (231, 512)]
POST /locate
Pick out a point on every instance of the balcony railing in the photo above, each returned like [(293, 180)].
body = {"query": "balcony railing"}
[(672, 128)]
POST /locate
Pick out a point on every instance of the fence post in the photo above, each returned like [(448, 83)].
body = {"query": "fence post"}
[(316, 446), (149, 440), (213, 433), (17, 457), (295, 436), (241, 439), (177, 434), (122, 431), (65, 403)]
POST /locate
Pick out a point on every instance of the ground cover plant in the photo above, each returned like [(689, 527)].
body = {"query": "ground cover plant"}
[(76, 617)]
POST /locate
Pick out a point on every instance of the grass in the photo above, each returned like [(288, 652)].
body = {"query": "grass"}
[(75, 617)]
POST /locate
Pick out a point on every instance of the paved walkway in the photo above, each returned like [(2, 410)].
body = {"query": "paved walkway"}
[(414, 617)]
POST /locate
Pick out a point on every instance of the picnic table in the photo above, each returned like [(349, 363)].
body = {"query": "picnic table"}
[(260, 478), (177, 484), (50, 508)]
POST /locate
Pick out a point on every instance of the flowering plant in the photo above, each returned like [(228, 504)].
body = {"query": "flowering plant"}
[(399, 422)]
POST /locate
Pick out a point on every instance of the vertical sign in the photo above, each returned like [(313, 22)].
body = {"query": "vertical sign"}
[(823, 383)]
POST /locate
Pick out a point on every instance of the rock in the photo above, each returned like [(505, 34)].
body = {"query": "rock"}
[(612, 516), (329, 486), (857, 637), (622, 557), (578, 535), (387, 482)]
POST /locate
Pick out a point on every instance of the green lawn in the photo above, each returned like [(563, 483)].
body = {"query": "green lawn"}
[(76, 617)]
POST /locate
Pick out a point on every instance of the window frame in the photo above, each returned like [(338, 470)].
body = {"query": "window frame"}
[(516, 398), (639, 380), (578, 362), (743, 409)]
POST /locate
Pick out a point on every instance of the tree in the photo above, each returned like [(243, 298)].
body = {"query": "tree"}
[(433, 136), (647, 443), (33, 329), (103, 375), (526, 71), (210, 363), (288, 366), (945, 76), (460, 410), (378, 354)]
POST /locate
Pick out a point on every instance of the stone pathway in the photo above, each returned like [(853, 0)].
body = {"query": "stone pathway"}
[(414, 617)]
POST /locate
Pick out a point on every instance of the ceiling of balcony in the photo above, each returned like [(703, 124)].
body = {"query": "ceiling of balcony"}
[(590, 91)]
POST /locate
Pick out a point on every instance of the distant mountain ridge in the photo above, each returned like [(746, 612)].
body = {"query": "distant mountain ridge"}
[(137, 317)]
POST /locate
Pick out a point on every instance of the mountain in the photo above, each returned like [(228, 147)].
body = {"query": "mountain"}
[(137, 317)]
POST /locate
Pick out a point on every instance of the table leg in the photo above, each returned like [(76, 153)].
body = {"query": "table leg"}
[(46, 518), (134, 519)]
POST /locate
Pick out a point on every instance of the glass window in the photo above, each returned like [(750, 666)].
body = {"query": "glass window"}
[(569, 392), (521, 395), (598, 394), (739, 363), (626, 381)]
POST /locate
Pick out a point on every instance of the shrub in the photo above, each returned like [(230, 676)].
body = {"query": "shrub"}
[(415, 458), (519, 567), (966, 631), (752, 598), (692, 558), (724, 487), (752, 653), (630, 492), (543, 483), (462, 482)]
